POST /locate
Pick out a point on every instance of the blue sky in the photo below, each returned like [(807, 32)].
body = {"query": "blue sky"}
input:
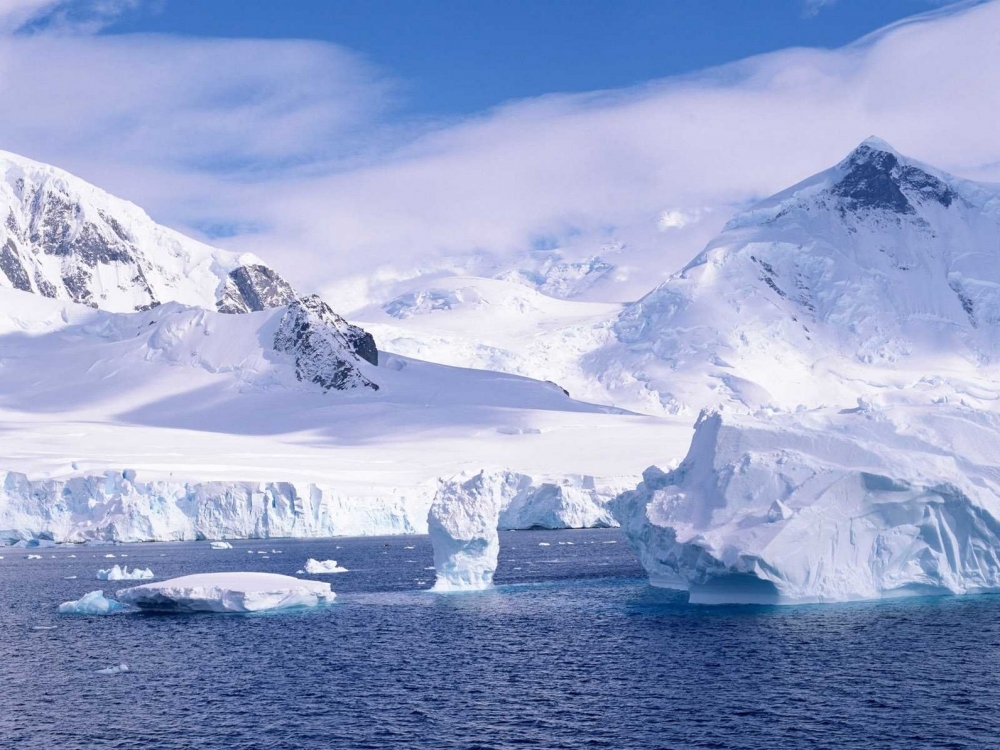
[(461, 56)]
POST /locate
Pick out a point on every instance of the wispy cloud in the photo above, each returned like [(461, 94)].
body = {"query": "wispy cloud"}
[(299, 141), (78, 16), (811, 8)]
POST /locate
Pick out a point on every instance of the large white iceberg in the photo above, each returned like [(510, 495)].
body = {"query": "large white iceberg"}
[(462, 523), (860, 504), (319, 567), (119, 573), (94, 603), (228, 592)]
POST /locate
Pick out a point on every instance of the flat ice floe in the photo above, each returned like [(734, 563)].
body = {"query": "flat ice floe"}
[(220, 545), (319, 567), (228, 592), (120, 573), (94, 603)]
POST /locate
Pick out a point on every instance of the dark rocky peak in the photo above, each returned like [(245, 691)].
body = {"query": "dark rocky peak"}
[(253, 288), (313, 334), (358, 339), (875, 177)]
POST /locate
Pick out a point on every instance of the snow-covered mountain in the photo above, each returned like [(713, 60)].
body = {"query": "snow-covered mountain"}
[(848, 331), (66, 239), (880, 264)]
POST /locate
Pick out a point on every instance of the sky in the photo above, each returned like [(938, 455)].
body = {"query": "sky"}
[(460, 56), (355, 145)]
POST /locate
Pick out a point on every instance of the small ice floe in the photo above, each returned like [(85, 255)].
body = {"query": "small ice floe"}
[(109, 556), (276, 552), (262, 552), (43, 627), (249, 551), (229, 592), (610, 541), (120, 669), (124, 555), (116, 573), (265, 557), (544, 544), (1, 557), (220, 545), (32, 557), (409, 547), (93, 603), (70, 555), (319, 567), (69, 578)]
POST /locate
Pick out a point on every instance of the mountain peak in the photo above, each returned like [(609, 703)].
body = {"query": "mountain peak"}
[(874, 176)]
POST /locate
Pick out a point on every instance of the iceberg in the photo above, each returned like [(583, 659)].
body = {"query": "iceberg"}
[(228, 592), (318, 567), (462, 522), (824, 507), (116, 573), (93, 603), (220, 545)]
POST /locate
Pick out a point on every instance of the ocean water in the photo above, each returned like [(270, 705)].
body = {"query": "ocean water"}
[(572, 650)]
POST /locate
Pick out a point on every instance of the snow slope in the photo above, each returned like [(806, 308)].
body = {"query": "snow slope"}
[(496, 324), (181, 423)]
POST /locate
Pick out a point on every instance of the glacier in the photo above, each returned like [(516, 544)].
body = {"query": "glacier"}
[(234, 592)]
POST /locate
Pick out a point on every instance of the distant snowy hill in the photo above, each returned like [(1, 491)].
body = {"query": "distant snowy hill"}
[(878, 265)]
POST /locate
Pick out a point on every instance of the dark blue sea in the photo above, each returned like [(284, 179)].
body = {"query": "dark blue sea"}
[(572, 650)]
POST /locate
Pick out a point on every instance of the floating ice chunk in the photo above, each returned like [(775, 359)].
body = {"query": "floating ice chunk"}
[(220, 545), (822, 507), (228, 592), (408, 547), (33, 557), (116, 573), (109, 556), (43, 627), (318, 567), (123, 667), (544, 544), (462, 522), (93, 603), (69, 578)]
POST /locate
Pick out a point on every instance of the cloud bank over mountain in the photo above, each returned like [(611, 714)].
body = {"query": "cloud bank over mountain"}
[(298, 150)]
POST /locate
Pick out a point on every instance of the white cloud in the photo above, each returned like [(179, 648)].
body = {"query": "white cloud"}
[(813, 7), (296, 139)]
